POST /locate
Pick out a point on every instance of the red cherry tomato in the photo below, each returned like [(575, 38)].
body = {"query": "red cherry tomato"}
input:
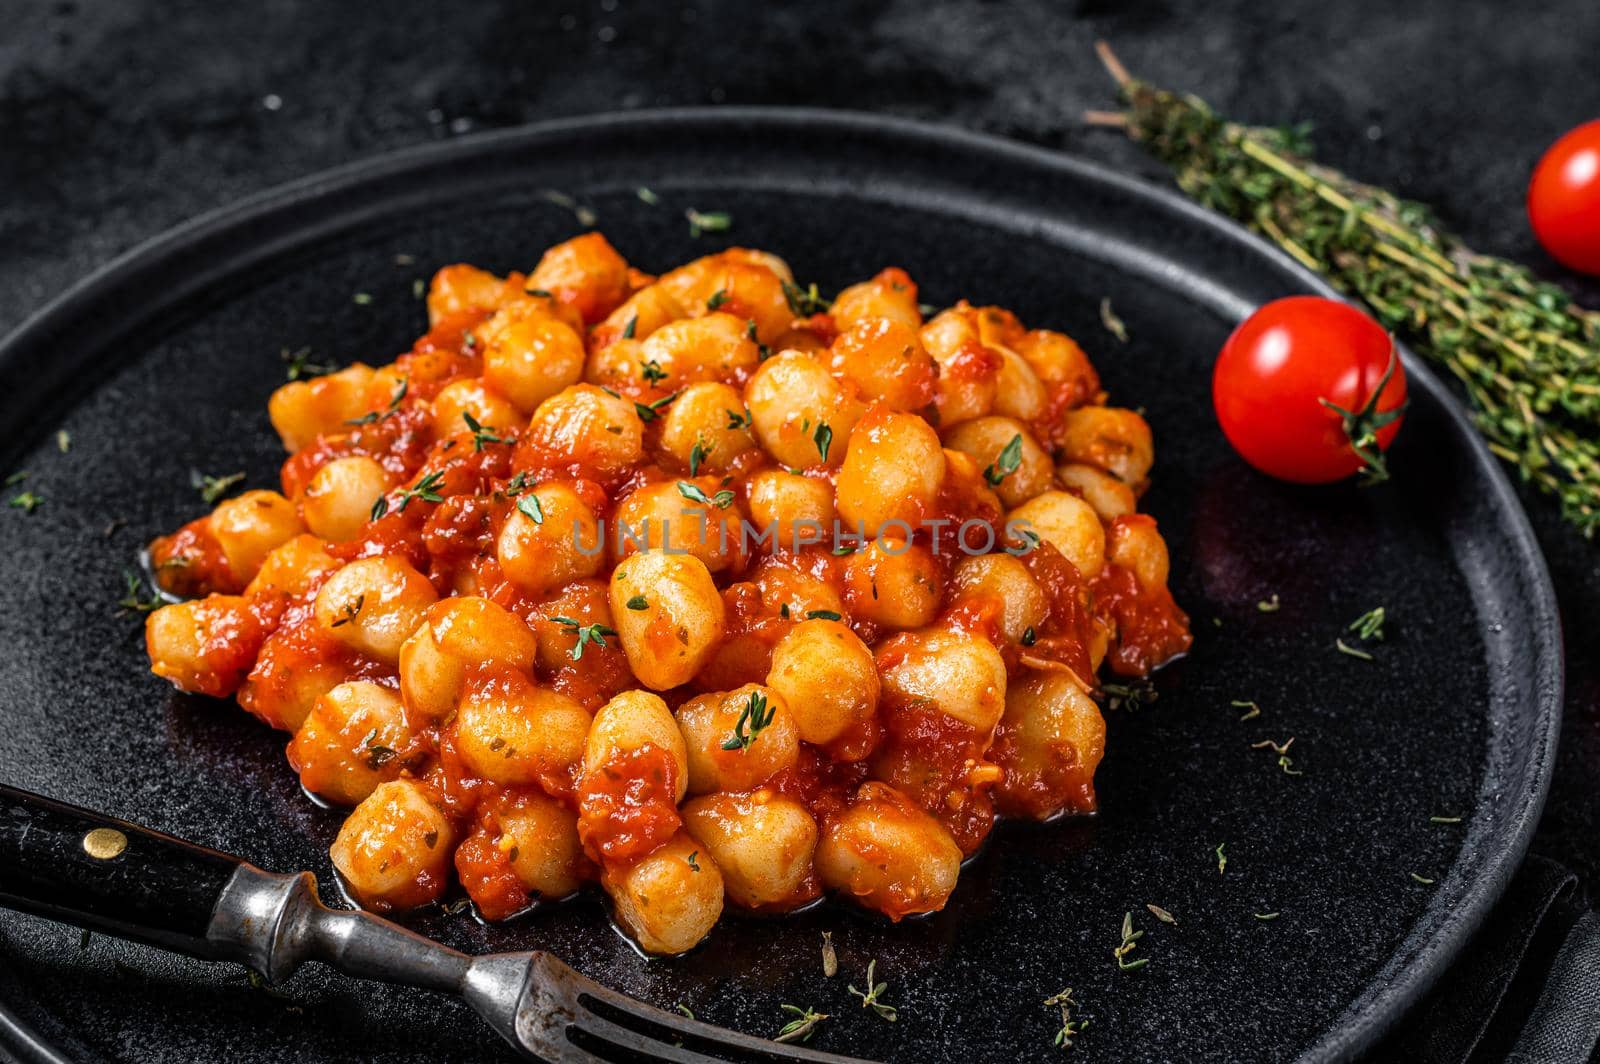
[(1280, 367), (1564, 199)]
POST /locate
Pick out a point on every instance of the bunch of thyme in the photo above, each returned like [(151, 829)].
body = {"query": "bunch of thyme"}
[(1528, 358)]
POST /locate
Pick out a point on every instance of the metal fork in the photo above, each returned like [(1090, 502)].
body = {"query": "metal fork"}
[(108, 875)]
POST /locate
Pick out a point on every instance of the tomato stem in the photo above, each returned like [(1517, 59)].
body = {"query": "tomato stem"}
[(1362, 426)]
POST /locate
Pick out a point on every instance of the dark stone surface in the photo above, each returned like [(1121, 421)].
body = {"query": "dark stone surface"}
[(119, 120)]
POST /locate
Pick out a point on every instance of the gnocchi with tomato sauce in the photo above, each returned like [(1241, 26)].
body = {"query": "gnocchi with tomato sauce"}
[(692, 586)]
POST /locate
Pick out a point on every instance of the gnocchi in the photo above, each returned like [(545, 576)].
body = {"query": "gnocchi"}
[(697, 587)]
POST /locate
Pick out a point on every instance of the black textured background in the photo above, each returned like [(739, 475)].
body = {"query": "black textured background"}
[(120, 119)]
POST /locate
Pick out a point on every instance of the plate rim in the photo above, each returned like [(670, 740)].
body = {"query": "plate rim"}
[(1376, 1009)]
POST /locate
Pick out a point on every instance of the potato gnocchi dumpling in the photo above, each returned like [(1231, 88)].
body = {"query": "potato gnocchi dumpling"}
[(696, 587)]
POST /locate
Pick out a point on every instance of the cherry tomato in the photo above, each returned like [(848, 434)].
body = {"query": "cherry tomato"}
[(1564, 199), (1280, 371)]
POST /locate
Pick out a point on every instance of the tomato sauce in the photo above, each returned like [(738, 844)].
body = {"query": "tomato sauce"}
[(189, 562), (627, 806), (1150, 628)]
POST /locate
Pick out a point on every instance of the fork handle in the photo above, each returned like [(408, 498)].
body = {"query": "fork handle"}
[(104, 874)]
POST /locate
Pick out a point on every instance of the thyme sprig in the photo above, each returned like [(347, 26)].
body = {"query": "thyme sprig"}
[(426, 489), (1007, 462), (753, 718), (804, 302), (1130, 942), (1113, 324), (871, 998), (213, 488), (1369, 625), (1129, 695), (707, 222), (1285, 762), (1527, 357), (802, 1027), (1070, 1028), (373, 416), (134, 599), (482, 435), (586, 634)]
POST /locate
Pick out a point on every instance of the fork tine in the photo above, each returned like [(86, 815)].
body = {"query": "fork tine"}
[(644, 1029), (637, 1046)]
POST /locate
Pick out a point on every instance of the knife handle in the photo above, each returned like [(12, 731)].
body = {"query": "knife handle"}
[(104, 874)]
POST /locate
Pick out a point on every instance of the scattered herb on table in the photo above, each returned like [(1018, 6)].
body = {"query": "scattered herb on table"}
[(1267, 917), (362, 299), (802, 1027), (872, 997), (1270, 605), (259, 983), (1222, 859), (1070, 1028), (1369, 626), (299, 364), (585, 216), (1285, 762), (1252, 710), (707, 222), (27, 501), (213, 488), (1130, 942), (1161, 914), (647, 195), (830, 959), (1129, 695), (1521, 349), (1114, 325), (63, 441), (134, 599), (1424, 880), (1354, 652), (1444, 820)]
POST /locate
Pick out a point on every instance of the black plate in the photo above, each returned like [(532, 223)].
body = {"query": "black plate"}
[(165, 361)]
